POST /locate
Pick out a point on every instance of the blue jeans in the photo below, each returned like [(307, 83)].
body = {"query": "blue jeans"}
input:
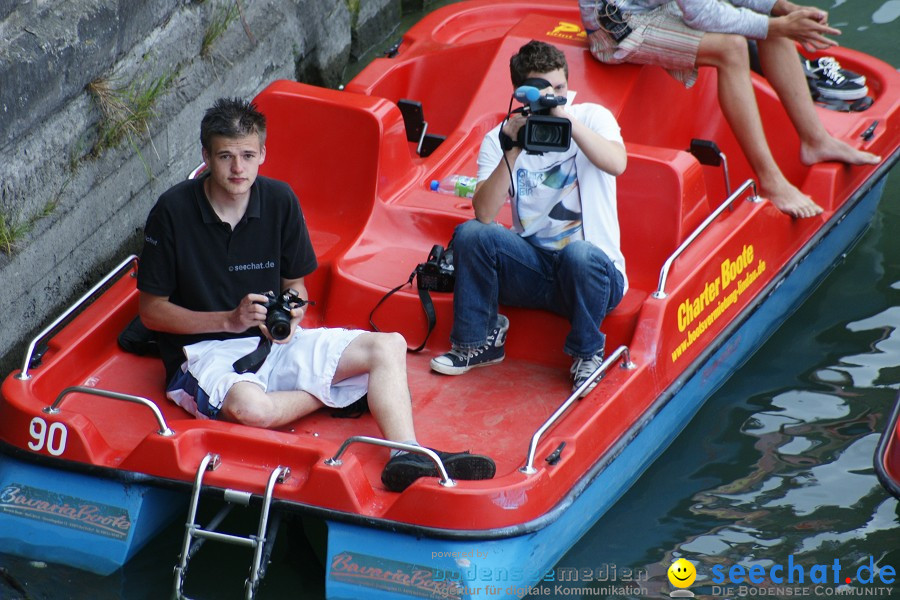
[(497, 266)]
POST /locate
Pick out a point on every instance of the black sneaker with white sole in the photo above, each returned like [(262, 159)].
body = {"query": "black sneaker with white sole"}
[(830, 82), (461, 360), (816, 68), (403, 469)]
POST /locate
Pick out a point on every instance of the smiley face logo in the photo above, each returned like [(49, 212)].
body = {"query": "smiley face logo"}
[(682, 573)]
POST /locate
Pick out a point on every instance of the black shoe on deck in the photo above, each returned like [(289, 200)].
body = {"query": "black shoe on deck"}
[(403, 469)]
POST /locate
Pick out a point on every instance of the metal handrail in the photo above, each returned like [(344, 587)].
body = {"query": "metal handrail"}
[(335, 461), (23, 375), (197, 170), (664, 272), (627, 363), (164, 429), (279, 475)]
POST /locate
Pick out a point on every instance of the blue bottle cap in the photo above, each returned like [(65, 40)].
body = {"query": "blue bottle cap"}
[(435, 184)]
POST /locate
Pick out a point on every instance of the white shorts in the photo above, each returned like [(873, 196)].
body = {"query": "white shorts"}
[(307, 363)]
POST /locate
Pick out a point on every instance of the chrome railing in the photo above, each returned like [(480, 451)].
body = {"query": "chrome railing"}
[(116, 272), (164, 429), (335, 461), (197, 171), (621, 351), (664, 272)]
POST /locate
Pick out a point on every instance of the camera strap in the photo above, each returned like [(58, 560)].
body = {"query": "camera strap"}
[(427, 307), (253, 361)]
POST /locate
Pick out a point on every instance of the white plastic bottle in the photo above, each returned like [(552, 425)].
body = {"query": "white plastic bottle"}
[(456, 185)]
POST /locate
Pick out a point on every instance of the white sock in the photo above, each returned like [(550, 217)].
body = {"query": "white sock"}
[(398, 452)]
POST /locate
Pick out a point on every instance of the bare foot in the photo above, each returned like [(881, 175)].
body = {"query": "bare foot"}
[(836, 150), (789, 200)]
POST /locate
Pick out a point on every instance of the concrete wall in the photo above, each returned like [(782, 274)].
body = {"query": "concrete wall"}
[(80, 208)]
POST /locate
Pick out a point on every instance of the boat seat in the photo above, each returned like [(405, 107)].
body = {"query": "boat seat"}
[(667, 184), (336, 176), (539, 336), (670, 188)]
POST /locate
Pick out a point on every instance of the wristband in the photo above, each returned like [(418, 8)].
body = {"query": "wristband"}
[(506, 142)]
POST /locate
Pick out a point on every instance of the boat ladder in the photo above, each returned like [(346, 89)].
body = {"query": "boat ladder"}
[(262, 542)]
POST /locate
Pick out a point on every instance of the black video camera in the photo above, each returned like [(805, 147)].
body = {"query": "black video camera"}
[(278, 312), (542, 132), (437, 274)]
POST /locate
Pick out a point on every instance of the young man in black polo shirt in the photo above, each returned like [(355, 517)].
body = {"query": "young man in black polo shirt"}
[(213, 246)]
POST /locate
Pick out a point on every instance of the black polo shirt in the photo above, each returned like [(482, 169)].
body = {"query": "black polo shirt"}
[(197, 261)]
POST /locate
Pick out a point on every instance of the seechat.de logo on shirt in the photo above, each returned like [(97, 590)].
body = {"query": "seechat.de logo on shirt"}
[(771, 579)]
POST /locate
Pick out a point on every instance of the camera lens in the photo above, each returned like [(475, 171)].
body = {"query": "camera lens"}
[(280, 331), (542, 133), (278, 324)]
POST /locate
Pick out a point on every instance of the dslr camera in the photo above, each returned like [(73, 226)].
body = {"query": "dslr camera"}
[(542, 132), (278, 312), (437, 274)]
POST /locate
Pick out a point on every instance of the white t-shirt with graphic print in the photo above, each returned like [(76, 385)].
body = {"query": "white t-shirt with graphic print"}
[(562, 196)]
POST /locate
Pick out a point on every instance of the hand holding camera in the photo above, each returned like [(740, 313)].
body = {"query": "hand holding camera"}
[(280, 317), (541, 132)]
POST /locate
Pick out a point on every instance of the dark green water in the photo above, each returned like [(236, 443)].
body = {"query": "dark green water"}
[(777, 464)]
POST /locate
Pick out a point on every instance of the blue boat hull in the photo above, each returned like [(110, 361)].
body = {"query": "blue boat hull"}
[(92, 523), (366, 562)]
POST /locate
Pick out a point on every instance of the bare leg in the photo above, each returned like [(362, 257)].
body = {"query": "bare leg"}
[(248, 404), (383, 357), (778, 57), (728, 54)]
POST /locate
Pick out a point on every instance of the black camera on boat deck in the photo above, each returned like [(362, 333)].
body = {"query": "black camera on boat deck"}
[(437, 273), (542, 132), (278, 312)]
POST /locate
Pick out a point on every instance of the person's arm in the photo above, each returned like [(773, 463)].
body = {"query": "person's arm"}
[(159, 314), (491, 193), (781, 8), (608, 156), (806, 25), (714, 16)]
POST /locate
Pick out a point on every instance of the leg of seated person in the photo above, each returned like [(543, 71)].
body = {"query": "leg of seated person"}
[(383, 357), (588, 289), (778, 59), (728, 54), (248, 404), (494, 265)]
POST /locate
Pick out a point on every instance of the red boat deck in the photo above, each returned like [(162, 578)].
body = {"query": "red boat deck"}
[(363, 192)]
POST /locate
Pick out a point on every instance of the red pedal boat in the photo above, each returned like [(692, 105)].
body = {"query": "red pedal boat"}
[(887, 454), (86, 428)]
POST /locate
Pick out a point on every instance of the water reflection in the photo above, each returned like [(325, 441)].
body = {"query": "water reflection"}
[(887, 12), (810, 491)]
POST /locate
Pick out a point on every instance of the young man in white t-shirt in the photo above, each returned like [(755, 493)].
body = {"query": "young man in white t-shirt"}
[(562, 253)]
